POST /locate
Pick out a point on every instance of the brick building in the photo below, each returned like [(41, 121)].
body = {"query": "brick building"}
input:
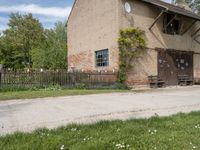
[(171, 32)]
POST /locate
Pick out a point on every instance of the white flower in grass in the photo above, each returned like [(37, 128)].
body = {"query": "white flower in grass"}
[(194, 147), (197, 126), (152, 131), (62, 147), (87, 138), (119, 146), (122, 145), (73, 129)]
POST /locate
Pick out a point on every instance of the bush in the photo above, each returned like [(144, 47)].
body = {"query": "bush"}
[(12, 89), (54, 88), (81, 86), (121, 86), (16, 89)]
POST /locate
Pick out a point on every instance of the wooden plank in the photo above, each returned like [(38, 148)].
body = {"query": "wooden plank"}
[(196, 32), (190, 26), (175, 16), (157, 18)]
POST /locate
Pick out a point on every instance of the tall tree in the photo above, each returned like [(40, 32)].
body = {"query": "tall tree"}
[(194, 5), (53, 53), (24, 33)]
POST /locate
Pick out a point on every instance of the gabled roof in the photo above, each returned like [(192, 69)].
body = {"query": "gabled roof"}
[(71, 12), (173, 9), (163, 5)]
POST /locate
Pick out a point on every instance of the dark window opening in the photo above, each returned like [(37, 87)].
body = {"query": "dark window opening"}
[(102, 58), (171, 24)]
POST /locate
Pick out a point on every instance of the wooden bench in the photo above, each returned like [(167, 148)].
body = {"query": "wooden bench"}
[(185, 80), (156, 82), (197, 81)]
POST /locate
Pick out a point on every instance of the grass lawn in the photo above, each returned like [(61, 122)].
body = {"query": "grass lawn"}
[(179, 132), (50, 93)]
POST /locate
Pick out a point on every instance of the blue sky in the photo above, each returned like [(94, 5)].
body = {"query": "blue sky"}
[(48, 11)]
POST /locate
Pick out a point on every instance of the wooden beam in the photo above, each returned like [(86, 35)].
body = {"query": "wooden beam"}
[(190, 26), (157, 18), (170, 22), (195, 32), (196, 39), (196, 53)]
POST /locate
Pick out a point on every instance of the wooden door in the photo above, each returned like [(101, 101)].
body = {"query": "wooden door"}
[(173, 63), (184, 64), (167, 70)]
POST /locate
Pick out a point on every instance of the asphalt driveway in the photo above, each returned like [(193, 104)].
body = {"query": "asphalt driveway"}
[(27, 115)]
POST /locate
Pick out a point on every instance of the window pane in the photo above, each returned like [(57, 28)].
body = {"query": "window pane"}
[(102, 58)]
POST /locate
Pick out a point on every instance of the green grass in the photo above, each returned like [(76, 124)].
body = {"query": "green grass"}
[(179, 132), (51, 93)]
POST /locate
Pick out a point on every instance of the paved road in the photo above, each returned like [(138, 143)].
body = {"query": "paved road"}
[(27, 115)]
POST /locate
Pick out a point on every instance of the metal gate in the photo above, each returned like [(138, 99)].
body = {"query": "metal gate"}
[(173, 63)]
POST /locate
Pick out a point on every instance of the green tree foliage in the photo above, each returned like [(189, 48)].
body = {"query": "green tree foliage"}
[(194, 4), (53, 53), (23, 34), (25, 44)]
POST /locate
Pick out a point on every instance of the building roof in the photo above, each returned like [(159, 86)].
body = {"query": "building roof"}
[(173, 9)]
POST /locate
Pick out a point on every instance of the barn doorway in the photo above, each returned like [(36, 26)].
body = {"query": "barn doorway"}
[(172, 64)]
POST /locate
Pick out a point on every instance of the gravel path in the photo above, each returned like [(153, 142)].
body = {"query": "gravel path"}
[(28, 115)]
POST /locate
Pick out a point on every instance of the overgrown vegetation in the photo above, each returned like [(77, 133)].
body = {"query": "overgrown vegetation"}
[(131, 45), (179, 132), (26, 44)]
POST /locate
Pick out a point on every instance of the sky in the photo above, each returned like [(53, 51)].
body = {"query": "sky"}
[(47, 11)]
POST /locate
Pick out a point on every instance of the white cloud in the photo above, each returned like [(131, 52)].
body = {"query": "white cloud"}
[(3, 20), (3, 27), (3, 23), (61, 12)]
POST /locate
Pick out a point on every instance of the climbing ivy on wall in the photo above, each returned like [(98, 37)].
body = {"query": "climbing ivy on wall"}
[(131, 46)]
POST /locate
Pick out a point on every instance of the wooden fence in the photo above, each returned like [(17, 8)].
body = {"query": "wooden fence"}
[(23, 79)]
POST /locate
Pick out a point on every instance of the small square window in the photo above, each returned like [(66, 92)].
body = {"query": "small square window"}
[(102, 58)]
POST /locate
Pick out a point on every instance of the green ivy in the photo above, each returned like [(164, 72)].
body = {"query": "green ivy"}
[(131, 46)]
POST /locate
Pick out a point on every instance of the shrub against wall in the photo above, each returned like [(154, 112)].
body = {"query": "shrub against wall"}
[(131, 46)]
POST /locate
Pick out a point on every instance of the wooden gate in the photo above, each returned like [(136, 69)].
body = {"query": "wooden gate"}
[(172, 64)]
